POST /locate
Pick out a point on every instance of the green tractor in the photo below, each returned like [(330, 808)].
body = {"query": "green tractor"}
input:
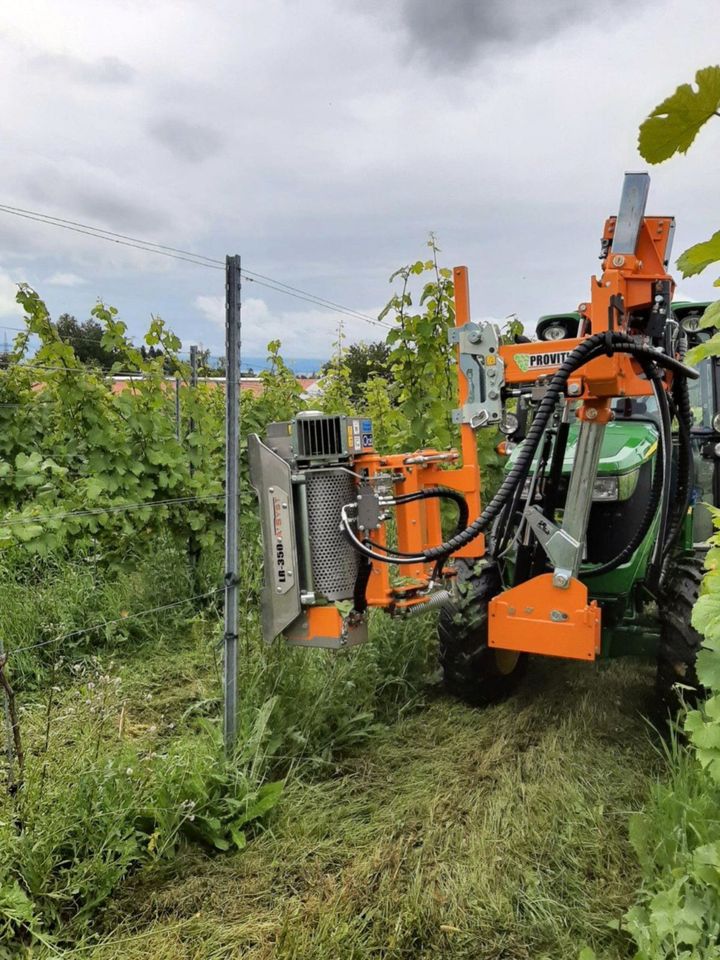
[(646, 536)]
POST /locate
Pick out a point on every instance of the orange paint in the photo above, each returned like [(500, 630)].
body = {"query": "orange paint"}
[(537, 617)]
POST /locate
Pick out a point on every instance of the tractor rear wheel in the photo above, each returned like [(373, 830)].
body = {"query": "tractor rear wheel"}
[(473, 671), (679, 640)]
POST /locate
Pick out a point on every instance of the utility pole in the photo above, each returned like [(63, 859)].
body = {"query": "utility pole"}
[(233, 286)]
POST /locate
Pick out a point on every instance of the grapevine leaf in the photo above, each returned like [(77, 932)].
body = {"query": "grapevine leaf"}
[(708, 669), (706, 616), (711, 317), (673, 124), (700, 255)]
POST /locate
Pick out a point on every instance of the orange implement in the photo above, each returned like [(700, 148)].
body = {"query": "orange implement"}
[(537, 617)]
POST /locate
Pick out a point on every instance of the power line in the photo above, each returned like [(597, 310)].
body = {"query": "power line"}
[(176, 253)]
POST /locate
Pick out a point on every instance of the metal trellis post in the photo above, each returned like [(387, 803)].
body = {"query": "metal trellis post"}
[(193, 384), (8, 729), (232, 463), (177, 408), (193, 548)]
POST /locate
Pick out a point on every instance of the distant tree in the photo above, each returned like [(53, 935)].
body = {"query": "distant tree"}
[(86, 340), (363, 361)]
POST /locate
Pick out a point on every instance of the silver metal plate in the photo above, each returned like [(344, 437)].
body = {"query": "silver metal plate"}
[(630, 215), (477, 343), (270, 476)]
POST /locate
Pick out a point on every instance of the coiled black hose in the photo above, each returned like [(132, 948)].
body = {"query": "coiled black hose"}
[(589, 349), (685, 481)]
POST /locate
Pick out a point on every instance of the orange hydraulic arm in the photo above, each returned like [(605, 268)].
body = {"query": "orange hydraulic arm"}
[(550, 613)]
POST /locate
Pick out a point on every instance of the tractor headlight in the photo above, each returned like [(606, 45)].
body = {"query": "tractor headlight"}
[(605, 489), (508, 424), (691, 323), (609, 489), (554, 331), (716, 423)]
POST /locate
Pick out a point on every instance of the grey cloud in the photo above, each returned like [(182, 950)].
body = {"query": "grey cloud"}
[(117, 211), (193, 142), (457, 31), (105, 70)]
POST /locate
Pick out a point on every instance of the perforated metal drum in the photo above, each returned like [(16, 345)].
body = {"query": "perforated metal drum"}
[(334, 562)]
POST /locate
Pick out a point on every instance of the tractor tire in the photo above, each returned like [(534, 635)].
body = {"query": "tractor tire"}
[(473, 671), (679, 640)]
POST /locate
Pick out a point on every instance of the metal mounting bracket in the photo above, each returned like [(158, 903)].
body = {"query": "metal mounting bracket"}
[(484, 370), (563, 551)]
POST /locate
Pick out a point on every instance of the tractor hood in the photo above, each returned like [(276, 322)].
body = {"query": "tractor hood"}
[(626, 445)]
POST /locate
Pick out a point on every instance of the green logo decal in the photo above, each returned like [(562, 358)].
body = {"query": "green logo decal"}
[(540, 361)]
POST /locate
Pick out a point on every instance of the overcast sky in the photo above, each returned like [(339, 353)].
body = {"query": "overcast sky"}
[(322, 140)]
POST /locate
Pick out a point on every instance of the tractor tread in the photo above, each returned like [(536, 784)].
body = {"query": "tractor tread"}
[(468, 664), (679, 640)]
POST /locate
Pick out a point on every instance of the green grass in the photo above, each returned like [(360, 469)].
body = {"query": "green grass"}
[(410, 825), (456, 833)]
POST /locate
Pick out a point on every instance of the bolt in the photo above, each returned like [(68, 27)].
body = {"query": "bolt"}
[(284, 506), (560, 580), (359, 496), (558, 616), (271, 489), (279, 589), (361, 527), (492, 373), (591, 413), (574, 390), (618, 261), (493, 394), (475, 336)]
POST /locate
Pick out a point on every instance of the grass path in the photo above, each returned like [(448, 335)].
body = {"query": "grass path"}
[(488, 835)]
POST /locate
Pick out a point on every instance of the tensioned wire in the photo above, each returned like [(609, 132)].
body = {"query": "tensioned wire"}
[(187, 256)]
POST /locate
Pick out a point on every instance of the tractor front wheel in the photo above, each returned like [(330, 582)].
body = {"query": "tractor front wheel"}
[(473, 671), (679, 640)]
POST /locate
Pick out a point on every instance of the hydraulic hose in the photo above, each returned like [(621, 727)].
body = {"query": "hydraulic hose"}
[(397, 556), (444, 493), (589, 349), (658, 549), (685, 479), (361, 582), (656, 490)]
